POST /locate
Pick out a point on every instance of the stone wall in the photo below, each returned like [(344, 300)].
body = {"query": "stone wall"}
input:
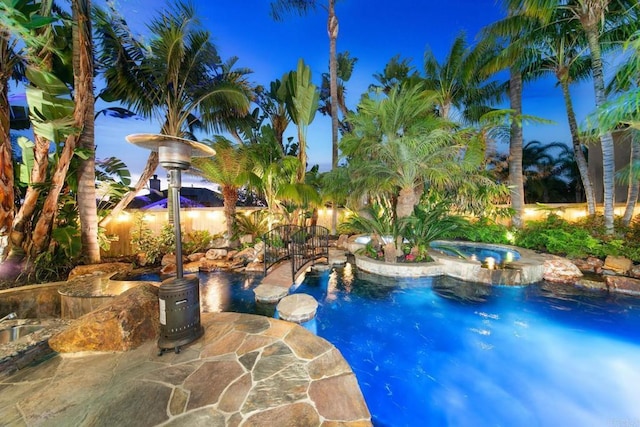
[(32, 302)]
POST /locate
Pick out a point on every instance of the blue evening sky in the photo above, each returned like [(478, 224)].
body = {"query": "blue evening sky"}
[(372, 31)]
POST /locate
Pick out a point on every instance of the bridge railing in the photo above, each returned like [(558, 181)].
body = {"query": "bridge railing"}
[(301, 245), (307, 245)]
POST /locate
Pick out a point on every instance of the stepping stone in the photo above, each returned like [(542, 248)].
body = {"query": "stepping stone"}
[(298, 308), (270, 293)]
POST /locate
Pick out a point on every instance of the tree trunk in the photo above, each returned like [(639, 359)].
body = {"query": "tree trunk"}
[(7, 196), (230, 198), (332, 29), (83, 88), (606, 139), (407, 200), (42, 231), (147, 173), (578, 154), (516, 180), (634, 182), (302, 154), (21, 229)]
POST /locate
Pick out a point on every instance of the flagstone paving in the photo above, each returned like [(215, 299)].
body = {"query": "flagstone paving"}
[(247, 370)]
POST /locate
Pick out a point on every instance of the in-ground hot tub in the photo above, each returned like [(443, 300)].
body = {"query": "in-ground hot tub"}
[(501, 255)]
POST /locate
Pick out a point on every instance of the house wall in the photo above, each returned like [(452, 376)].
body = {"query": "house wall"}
[(622, 151)]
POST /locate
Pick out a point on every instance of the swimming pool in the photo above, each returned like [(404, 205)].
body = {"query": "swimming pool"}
[(436, 351)]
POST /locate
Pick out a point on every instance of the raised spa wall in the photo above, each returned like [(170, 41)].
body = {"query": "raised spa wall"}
[(525, 271)]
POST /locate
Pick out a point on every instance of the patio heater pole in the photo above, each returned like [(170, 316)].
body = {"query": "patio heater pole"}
[(175, 183), (179, 297)]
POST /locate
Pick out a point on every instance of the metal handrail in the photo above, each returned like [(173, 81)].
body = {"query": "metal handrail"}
[(299, 244)]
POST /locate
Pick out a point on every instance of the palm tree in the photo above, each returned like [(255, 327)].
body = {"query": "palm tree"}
[(398, 71), (500, 37), (278, 8), (557, 49), (228, 168), (175, 78), (398, 148), (83, 96), (595, 17), (624, 112), (345, 69), (457, 83)]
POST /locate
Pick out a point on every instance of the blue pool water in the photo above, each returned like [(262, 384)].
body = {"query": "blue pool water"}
[(437, 351), (479, 252)]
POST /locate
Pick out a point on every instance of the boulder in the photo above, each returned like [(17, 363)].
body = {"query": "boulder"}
[(213, 254), (342, 241), (560, 270), (255, 267), (171, 259), (125, 323), (246, 239), (623, 285), (196, 256), (141, 259), (191, 267), (100, 269), (168, 270), (635, 271), (589, 265), (259, 248), (247, 255), (618, 264)]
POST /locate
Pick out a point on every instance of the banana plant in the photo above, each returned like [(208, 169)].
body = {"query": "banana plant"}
[(302, 99)]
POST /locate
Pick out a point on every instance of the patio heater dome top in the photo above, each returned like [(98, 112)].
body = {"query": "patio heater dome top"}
[(173, 152)]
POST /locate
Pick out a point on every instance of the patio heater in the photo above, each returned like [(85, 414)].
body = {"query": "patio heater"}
[(179, 297)]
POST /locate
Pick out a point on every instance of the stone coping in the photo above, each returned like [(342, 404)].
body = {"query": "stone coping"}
[(30, 348), (96, 286), (247, 370)]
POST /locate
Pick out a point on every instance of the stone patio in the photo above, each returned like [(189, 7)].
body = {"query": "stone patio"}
[(247, 370)]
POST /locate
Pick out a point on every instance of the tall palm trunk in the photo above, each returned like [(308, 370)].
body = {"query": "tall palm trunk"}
[(147, 173), (6, 161), (83, 86), (230, 197), (606, 139), (516, 179), (578, 154), (634, 182), (332, 29)]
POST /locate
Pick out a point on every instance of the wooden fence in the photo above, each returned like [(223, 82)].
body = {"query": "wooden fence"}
[(212, 220)]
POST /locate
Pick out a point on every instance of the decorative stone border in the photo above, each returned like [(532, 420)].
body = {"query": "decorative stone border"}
[(525, 271)]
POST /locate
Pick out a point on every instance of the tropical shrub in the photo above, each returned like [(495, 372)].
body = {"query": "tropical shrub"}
[(432, 221), (255, 224), (377, 218), (486, 231), (557, 236), (154, 246), (198, 241)]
